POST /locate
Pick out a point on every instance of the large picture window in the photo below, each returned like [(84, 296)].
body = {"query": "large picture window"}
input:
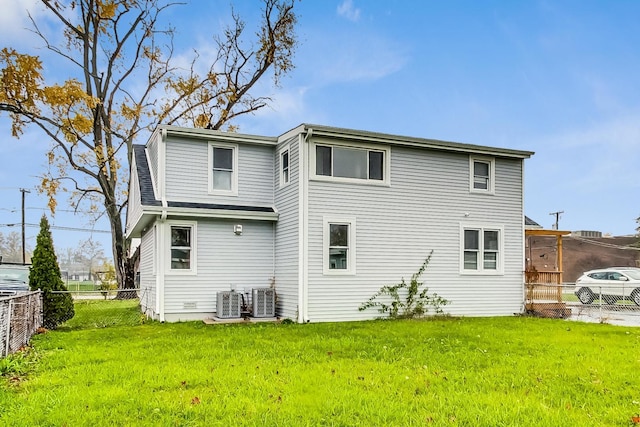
[(482, 174), (481, 250), (223, 161), (339, 246), (351, 163)]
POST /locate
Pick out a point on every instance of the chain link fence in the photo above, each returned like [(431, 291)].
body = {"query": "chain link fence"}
[(20, 319), (101, 309), (616, 304)]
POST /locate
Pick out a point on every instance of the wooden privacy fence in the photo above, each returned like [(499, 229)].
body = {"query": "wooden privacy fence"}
[(20, 318)]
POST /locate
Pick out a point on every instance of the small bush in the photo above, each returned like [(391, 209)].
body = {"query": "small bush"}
[(407, 300), (45, 275)]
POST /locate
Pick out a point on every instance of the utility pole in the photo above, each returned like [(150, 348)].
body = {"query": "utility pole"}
[(557, 215), (24, 257)]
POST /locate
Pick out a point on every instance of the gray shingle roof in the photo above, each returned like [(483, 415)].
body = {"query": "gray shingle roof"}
[(147, 196)]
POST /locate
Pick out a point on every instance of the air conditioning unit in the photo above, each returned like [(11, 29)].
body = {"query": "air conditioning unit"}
[(228, 305), (264, 302)]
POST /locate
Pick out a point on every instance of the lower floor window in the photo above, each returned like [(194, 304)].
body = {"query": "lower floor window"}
[(339, 246), (181, 247), (481, 250)]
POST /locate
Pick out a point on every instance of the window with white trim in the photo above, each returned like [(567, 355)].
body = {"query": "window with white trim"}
[(223, 169), (351, 163), (181, 247), (482, 174), (284, 167), (481, 250), (339, 246)]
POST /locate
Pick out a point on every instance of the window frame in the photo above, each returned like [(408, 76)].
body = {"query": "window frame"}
[(234, 171), (481, 270), (491, 161), (386, 163), (351, 245), (285, 150), (193, 270)]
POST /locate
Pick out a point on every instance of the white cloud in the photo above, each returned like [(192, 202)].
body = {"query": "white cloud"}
[(347, 10), (14, 20), (351, 57), (597, 158)]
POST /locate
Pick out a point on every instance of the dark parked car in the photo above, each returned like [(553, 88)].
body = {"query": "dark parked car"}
[(14, 278)]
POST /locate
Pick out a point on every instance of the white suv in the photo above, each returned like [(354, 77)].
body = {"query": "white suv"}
[(611, 284)]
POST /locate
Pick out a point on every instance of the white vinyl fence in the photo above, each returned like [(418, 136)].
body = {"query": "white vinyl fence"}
[(20, 318)]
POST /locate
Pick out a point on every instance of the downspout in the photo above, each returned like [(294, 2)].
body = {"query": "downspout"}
[(162, 232), (524, 249), (303, 218)]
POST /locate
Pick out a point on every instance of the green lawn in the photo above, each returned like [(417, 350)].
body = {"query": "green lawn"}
[(463, 372)]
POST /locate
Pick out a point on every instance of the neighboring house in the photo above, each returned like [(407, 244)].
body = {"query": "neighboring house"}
[(327, 216)]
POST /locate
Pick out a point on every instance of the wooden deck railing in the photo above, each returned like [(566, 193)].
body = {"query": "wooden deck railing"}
[(543, 286)]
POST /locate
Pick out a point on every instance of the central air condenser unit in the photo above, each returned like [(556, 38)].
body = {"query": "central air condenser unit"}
[(264, 302), (228, 305)]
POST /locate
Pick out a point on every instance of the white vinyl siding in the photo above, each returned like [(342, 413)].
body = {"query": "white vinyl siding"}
[(398, 226), (225, 261), (147, 273), (287, 236), (188, 177)]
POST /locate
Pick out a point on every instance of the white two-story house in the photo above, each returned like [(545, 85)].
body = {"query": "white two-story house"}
[(326, 216)]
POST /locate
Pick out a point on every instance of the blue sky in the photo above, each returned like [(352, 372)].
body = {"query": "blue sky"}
[(561, 78)]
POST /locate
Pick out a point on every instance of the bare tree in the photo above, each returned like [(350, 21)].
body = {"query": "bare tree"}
[(11, 247), (125, 81)]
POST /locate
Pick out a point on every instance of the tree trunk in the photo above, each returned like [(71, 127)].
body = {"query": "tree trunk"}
[(125, 264)]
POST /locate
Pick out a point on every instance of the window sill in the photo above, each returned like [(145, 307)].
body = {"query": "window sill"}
[(481, 273), (369, 182)]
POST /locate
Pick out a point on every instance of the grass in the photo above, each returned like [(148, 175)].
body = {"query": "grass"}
[(100, 314), (74, 285), (462, 372)]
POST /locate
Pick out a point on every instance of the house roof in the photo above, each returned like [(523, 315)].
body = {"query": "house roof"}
[(350, 134), (399, 140), (529, 223), (147, 195)]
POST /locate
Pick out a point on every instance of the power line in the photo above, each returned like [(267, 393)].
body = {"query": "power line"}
[(46, 209), (59, 227)]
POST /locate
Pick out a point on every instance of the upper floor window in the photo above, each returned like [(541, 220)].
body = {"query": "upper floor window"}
[(223, 160), (284, 167), (482, 174), (481, 250), (352, 163)]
